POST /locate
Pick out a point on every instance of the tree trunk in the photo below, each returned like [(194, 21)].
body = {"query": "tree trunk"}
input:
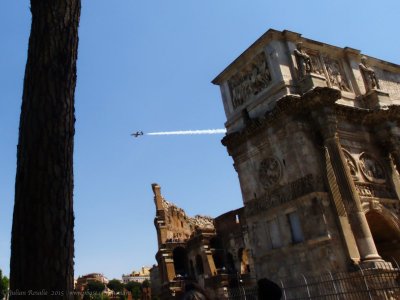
[(42, 245)]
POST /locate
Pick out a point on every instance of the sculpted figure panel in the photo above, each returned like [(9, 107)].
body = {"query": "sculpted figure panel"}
[(252, 80), (316, 64), (336, 74)]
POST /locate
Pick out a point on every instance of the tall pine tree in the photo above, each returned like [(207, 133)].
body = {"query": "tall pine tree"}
[(42, 246)]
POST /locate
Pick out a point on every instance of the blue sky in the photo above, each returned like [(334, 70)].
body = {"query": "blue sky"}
[(147, 65)]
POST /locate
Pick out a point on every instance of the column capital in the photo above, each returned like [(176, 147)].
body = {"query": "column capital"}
[(326, 121)]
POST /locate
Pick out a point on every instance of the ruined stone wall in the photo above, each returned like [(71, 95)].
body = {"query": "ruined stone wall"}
[(177, 223), (177, 226), (232, 237)]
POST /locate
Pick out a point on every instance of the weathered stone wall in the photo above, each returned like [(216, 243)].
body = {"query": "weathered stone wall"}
[(276, 253), (284, 156), (317, 151)]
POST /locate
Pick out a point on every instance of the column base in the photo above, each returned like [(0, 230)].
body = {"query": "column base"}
[(376, 264), (376, 99), (311, 81)]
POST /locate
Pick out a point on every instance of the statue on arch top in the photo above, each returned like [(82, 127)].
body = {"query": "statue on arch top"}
[(368, 75), (303, 60)]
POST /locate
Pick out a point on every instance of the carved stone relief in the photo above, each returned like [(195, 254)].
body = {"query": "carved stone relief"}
[(282, 195), (371, 168), (270, 172), (369, 175), (371, 190), (317, 67), (335, 73), (250, 81), (352, 164), (328, 67)]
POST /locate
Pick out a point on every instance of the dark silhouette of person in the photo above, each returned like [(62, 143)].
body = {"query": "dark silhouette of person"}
[(268, 290)]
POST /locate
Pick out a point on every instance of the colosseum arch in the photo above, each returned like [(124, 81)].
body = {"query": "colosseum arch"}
[(180, 261)]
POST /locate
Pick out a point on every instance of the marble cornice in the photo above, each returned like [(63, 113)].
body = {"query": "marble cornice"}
[(289, 105), (368, 117)]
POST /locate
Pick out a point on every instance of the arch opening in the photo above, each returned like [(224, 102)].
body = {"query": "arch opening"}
[(218, 253), (244, 261), (386, 234), (180, 261)]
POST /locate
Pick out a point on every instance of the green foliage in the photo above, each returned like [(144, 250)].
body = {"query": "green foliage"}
[(95, 287), (3, 285), (86, 297), (115, 285), (134, 288), (145, 284)]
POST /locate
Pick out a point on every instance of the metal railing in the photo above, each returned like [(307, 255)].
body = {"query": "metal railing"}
[(363, 284)]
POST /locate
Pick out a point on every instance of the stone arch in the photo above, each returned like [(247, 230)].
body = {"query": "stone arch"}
[(180, 261), (385, 229), (244, 261)]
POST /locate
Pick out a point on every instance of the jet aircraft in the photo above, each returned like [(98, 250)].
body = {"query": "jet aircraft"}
[(137, 134)]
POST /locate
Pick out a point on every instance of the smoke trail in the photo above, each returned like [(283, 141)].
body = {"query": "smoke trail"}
[(189, 132)]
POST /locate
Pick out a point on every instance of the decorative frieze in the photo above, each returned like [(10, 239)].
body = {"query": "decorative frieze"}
[(371, 190), (250, 81), (282, 195), (311, 61)]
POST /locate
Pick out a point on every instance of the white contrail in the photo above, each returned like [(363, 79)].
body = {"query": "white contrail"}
[(189, 132)]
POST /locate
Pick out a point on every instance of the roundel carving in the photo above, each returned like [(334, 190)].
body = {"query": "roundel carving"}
[(270, 172), (351, 163), (371, 168)]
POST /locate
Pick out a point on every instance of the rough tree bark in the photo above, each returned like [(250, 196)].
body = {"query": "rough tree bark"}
[(42, 245)]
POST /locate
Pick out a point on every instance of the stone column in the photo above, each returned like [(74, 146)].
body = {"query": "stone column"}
[(170, 269), (208, 261), (327, 123)]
